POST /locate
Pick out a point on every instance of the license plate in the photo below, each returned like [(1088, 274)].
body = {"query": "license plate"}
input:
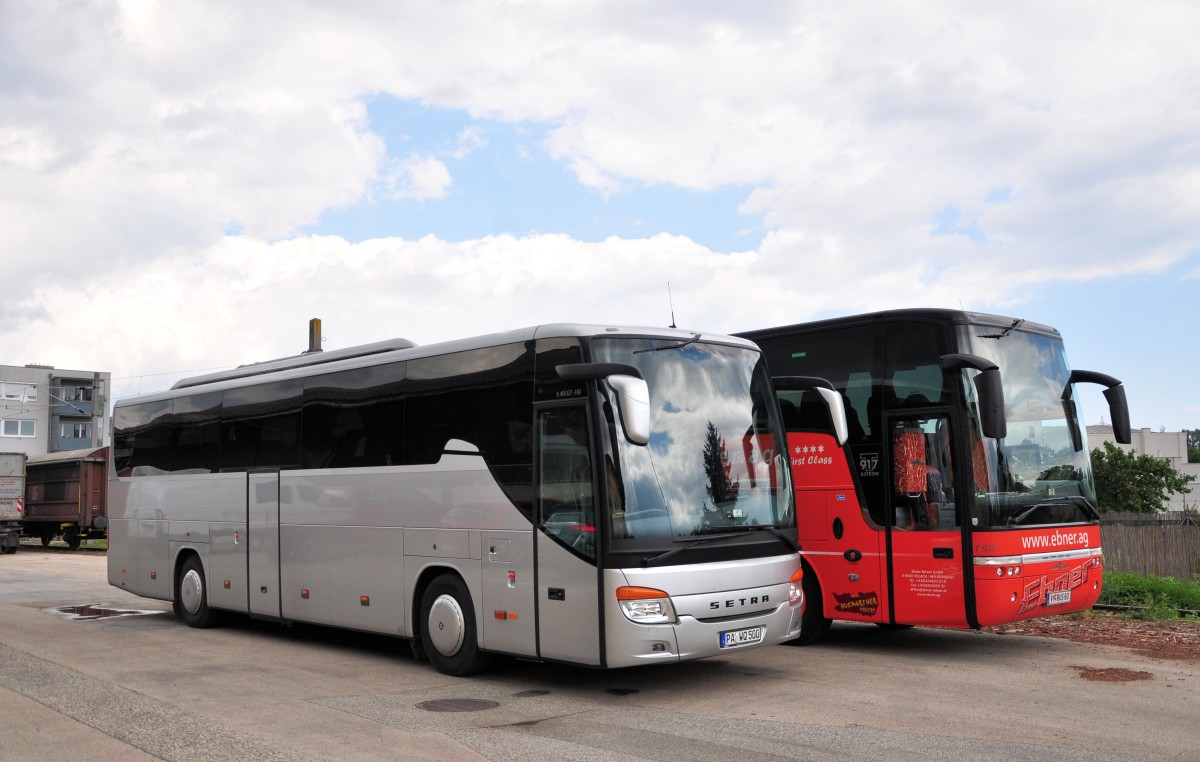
[(742, 637), (1058, 598)]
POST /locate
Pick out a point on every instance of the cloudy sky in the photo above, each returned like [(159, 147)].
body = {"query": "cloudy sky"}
[(184, 184)]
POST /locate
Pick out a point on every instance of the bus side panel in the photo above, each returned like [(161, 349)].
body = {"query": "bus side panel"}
[(839, 544), (305, 573), (509, 622), (122, 534), (122, 554), (226, 570), (367, 593), (154, 560), (850, 569)]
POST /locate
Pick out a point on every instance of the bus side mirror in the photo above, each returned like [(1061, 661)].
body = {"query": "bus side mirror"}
[(633, 398), (1114, 393), (633, 393), (989, 392), (830, 396)]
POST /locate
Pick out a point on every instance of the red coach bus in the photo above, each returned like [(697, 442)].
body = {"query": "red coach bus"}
[(963, 496)]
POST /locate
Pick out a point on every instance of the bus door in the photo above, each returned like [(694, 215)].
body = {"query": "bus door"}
[(925, 549), (262, 538), (568, 603)]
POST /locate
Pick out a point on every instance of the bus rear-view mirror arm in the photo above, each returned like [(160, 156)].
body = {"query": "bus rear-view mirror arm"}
[(989, 391), (1114, 392), (633, 393), (830, 396)]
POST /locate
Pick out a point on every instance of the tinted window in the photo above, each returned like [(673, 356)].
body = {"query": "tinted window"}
[(260, 426), (355, 418), (141, 438), (913, 351), (483, 397), (846, 357), (196, 434)]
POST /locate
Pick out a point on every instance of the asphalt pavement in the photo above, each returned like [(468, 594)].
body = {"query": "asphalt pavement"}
[(89, 671)]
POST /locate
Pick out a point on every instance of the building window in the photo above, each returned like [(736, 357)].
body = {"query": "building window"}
[(75, 431), (14, 427), (77, 393), (18, 391)]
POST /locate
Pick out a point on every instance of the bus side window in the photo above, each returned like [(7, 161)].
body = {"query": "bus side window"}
[(565, 493)]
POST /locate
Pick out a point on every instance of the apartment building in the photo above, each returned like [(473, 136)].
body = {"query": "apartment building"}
[(45, 409)]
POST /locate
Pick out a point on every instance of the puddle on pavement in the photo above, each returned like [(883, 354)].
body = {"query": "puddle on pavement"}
[(96, 611)]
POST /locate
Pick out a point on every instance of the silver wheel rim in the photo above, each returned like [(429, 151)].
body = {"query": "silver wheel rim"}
[(191, 591), (446, 625)]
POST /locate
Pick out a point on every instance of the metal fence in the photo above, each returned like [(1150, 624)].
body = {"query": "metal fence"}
[(1164, 548)]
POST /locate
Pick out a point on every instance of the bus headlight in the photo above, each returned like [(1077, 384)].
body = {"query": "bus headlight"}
[(796, 588), (646, 605)]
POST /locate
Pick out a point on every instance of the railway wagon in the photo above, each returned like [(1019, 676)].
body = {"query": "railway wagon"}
[(66, 494)]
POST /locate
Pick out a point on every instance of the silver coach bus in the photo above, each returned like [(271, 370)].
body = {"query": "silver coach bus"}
[(592, 495)]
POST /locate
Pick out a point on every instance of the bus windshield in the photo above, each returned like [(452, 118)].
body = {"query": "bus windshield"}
[(712, 466), (1035, 475)]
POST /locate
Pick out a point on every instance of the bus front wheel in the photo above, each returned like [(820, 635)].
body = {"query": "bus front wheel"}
[(448, 631), (814, 623), (191, 595)]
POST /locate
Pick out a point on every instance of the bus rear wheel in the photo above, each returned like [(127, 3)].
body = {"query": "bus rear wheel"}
[(448, 632), (814, 624), (191, 595)]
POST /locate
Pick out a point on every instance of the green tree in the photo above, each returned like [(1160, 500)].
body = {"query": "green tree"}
[(1193, 445), (1129, 482)]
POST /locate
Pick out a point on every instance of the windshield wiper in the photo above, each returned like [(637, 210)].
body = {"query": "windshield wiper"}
[(681, 345), (691, 542), (1081, 503), (1015, 325)]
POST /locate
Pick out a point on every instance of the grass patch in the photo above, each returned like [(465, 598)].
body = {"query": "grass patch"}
[(1157, 597)]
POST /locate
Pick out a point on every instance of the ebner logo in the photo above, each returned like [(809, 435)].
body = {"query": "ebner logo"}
[(1056, 540)]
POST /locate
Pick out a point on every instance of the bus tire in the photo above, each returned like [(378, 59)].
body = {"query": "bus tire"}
[(448, 631), (814, 624), (191, 595)]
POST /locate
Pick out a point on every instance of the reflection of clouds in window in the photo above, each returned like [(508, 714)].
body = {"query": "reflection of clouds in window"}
[(1037, 459), (660, 441), (692, 388), (1034, 370)]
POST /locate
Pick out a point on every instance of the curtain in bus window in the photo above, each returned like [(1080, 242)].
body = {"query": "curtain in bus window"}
[(908, 447), (260, 426)]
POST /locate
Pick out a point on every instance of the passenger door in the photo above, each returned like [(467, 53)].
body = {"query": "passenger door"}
[(925, 550), (567, 578)]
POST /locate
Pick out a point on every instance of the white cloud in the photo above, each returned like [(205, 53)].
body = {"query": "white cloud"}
[(417, 177), (133, 136)]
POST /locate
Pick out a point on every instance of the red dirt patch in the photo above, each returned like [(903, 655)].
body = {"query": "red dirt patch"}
[(1113, 674), (1178, 640)]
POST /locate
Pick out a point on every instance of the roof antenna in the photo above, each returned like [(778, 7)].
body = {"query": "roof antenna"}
[(671, 300)]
